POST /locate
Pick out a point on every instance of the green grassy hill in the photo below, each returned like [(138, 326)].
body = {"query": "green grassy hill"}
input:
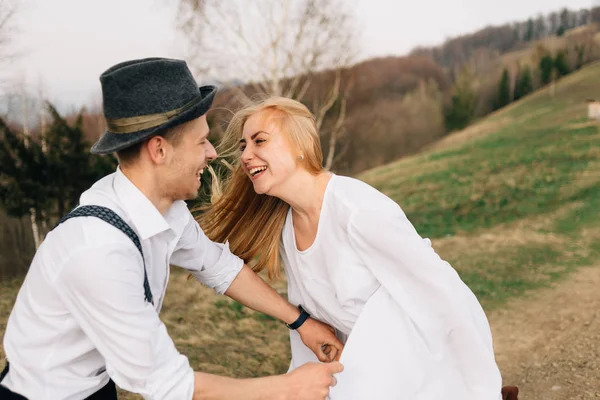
[(512, 201)]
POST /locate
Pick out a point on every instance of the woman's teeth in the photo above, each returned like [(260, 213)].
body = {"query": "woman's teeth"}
[(256, 170)]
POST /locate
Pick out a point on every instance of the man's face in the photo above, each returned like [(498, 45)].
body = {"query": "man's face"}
[(187, 160)]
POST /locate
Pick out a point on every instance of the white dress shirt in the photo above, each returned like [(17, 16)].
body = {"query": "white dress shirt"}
[(81, 315), (412, 329)]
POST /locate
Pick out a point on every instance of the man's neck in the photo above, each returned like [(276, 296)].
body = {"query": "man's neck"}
[(146, 182)]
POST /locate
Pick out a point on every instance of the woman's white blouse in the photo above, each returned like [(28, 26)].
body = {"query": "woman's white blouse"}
[(412, 329)]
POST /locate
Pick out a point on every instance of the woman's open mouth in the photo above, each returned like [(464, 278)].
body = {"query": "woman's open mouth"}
[(257, 171)]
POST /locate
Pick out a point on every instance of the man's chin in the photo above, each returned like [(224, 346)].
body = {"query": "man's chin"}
[(190, 196), (193, 196)]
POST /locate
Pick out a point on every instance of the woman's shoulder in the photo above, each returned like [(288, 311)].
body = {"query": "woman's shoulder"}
[(354, 195)]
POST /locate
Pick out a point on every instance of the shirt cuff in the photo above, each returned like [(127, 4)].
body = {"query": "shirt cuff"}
[(221, 274)]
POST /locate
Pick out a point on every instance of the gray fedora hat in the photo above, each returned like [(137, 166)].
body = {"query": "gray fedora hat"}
[(143, 98)]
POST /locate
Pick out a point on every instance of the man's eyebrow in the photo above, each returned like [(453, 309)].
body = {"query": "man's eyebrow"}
[(242, 140)]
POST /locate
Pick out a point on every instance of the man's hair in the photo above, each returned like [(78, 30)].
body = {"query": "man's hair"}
[(129, 154)]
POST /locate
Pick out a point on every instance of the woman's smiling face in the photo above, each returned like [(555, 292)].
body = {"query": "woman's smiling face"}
[(267, 156)]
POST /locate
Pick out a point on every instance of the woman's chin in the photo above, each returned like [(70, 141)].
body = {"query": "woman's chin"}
[(260, 188)]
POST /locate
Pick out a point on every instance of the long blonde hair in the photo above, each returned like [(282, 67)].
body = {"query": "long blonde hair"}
[(251, 222)]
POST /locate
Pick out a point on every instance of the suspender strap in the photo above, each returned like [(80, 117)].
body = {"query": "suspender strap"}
[(108, 215), (4, 371)]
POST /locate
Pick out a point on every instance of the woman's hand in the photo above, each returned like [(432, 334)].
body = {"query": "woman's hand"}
[(321, 339)]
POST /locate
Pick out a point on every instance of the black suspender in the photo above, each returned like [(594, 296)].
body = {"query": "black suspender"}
[(108, 215)]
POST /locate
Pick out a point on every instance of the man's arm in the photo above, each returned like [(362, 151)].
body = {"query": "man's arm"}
[(102, 288), (250, 290), (308, 382), (214, 265)]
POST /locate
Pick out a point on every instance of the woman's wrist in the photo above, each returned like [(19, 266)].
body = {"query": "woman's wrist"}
[(302, 317)]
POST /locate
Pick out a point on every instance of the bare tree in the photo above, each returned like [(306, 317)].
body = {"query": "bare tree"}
[(27, 134), (595, 12), (281, 48), (8, 10)]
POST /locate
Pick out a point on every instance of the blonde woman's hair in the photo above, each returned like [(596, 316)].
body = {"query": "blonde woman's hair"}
[(251, 222)]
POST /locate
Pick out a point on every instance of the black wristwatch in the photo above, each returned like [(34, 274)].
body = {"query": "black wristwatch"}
[(298, 322)]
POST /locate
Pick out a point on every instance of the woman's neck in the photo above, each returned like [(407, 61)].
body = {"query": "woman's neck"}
[(305, 194)]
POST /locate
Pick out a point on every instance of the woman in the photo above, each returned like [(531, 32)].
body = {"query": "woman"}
[(412, 329)]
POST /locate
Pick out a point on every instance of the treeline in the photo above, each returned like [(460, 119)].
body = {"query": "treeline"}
[(397, 105), (478, 91), (42, 175), (457, 51), (393, 107)]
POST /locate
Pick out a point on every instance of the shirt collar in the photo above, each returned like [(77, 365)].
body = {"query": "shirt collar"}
[(144, 216)]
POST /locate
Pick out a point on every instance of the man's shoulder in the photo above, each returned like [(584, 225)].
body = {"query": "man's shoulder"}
[(83, 240), (81, 232), (87, 231)]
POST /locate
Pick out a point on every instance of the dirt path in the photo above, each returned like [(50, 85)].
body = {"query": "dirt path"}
[(548, 344)]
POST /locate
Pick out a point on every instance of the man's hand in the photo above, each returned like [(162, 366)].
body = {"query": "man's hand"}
[(321, 339), (312, 381)]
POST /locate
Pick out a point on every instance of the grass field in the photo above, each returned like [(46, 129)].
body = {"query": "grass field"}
[(511, 202)]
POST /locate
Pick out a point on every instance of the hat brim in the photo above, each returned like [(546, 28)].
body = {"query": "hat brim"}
[(113, 142)]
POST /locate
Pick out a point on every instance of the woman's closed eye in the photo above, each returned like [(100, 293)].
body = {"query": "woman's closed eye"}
[(257, 142)]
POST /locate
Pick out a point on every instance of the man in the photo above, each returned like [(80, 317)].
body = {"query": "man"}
[(87, 313)]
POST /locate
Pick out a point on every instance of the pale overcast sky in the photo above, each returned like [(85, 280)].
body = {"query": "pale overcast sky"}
[(68, 43)]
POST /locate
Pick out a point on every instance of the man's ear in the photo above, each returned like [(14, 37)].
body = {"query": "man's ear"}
[(157, 148)]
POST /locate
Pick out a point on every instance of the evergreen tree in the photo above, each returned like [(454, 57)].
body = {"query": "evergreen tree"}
[(462, 108), (503, 97), (580, 50), (49, 181), (529, 33), (24, 174), (546, 69), (524, 84), (561, 64), (565, 20), (73, 168)]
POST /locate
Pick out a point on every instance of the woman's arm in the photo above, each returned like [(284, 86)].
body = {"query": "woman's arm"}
[(250, 290)]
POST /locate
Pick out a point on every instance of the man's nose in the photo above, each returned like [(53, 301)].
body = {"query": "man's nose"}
[(211, 153)]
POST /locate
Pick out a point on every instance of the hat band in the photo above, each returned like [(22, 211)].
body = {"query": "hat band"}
[(135, 124)]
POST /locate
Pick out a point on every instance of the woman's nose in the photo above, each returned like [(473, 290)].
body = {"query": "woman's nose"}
[(247, 154)]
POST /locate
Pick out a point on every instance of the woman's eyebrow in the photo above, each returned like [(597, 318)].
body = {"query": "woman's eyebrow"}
[(242, 140)]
